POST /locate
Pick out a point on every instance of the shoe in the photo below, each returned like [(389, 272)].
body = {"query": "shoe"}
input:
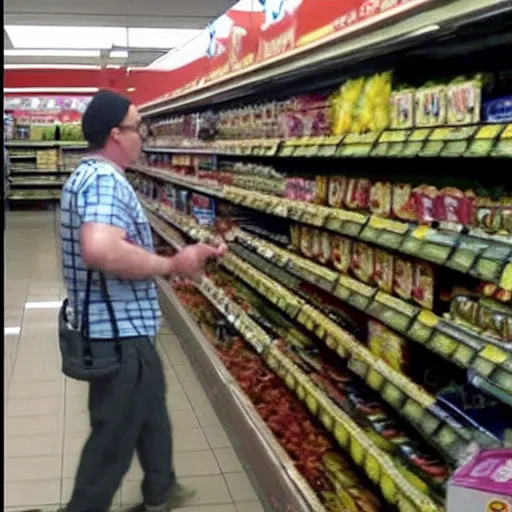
[(179, 497)]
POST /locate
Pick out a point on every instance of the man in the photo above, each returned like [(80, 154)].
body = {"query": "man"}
[(103, 227)]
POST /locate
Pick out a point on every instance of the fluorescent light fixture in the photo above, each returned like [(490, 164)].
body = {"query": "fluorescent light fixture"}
[(424, 30), (118, 54), (12, 331), (43, 305), (49, 36), (51, 53), (50, 66), (131, 89), (51, 90), (162, 38)]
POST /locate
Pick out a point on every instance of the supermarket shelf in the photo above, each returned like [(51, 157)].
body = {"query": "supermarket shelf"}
[(377, 465), (417, 406), (22, 157), (37, 172), (384, 34), (33, 198), (37, 183), (449, 142), (271, 470), (345, 430), (483, 256), (45, 144)]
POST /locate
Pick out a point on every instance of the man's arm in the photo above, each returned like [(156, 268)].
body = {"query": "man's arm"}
[(104, 247)]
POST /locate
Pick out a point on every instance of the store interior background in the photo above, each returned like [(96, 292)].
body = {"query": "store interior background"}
[(153, 51)]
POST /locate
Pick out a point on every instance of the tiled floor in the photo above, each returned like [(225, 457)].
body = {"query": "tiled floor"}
[(47, 421)]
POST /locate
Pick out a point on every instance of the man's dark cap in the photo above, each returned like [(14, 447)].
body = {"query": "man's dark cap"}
[(106, 110)]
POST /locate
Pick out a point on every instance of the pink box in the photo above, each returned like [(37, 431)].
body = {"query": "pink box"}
[(484, 484)]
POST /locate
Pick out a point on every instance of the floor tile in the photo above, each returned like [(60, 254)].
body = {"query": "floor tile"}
[(187, 440), (32, 494), (28, 389), (195, 464), (217, 437), (24, 469), (32, 446), (249, 506), (228, 460), (240, 487), (184, 419), (34, 425)]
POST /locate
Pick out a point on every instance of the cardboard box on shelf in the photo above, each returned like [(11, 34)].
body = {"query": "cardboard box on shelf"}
[(484, 484)]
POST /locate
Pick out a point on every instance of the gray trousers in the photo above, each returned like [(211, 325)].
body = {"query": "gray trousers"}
[(128, 414)]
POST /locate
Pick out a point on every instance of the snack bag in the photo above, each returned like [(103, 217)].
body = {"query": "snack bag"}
[(387, 345), (363, 262), (484, 484), (337, 191)]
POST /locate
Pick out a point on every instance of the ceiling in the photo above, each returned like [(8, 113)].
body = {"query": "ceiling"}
[(162, 14)]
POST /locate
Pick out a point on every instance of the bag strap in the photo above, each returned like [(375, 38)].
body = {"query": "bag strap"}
[(84, 325)]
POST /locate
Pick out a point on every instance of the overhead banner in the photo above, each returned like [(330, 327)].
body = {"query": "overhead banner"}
[(257, 31)]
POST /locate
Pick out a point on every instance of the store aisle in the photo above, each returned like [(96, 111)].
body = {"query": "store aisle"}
[(46, 414)]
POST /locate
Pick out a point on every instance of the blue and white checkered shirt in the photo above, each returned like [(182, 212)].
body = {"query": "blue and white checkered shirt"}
[(98, 192)]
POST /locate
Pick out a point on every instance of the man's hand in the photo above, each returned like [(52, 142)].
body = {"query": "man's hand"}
[(191, 260)]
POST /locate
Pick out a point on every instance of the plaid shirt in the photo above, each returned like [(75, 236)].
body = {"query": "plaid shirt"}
[(98, 192)]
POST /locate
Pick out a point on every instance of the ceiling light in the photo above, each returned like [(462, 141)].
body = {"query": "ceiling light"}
[(118, 54), (51, 53), (48, 36), (131, 89)]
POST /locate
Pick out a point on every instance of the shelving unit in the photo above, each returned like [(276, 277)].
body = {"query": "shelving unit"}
[(39, 168)]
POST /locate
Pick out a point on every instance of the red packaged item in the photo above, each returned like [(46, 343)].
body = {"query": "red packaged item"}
[(325, 248), (403, 202), (363, 261), (384, 268), (341, 253), (358, 193), (423, 284), (403, 278), (381, 198), (425, 197), (454, 206), (337, 191)]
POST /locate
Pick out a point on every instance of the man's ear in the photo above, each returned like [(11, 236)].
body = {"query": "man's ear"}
[(115, 133)]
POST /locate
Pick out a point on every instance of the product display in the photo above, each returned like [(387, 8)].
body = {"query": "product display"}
[(40, 168), (356, 337), (383, 304)]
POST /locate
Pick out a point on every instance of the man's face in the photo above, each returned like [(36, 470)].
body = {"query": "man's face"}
[(127, 135)]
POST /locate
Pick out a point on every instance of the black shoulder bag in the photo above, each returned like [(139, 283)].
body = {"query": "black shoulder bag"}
[(84, 358)]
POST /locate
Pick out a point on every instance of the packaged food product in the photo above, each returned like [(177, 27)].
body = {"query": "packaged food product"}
[(498, 110), (372, 110), (384, 268), (295, 236), (322, 188), (484, 484), (425, 197), (403, 278), (316, 243), (381, 198), (358, 193), (325, 248), (423, 284), (306, 241), (430, 107), (363, 261), (404, 203), (341, 253), (387, 345), (343, 103), (402, 109), (464, 101), (454, 206), (337, 191)]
